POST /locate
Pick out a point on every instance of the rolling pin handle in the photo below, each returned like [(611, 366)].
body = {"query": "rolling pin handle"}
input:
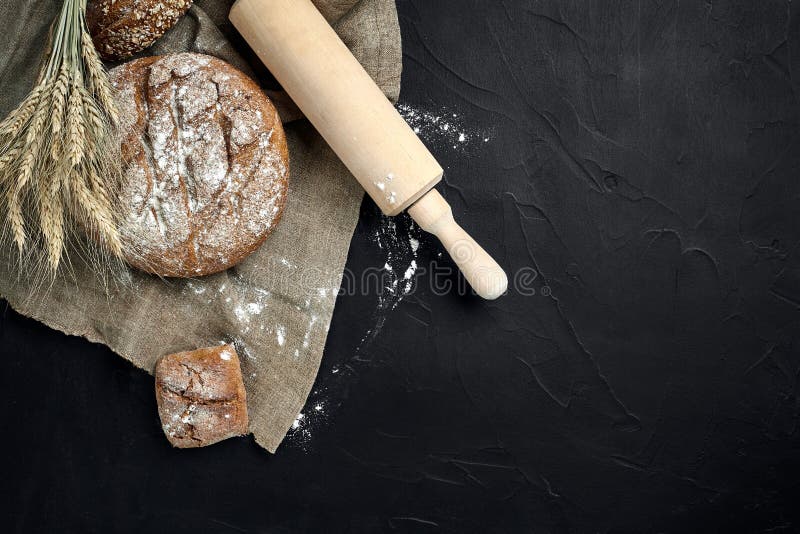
[(434, 215)]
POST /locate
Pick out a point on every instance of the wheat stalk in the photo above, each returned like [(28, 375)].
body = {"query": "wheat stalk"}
[(59, 151)]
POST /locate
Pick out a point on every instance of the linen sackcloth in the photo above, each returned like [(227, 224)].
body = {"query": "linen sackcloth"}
[(277, 304)]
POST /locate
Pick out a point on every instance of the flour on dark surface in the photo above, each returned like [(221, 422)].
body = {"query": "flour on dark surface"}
[(398, 241), (444, 128)]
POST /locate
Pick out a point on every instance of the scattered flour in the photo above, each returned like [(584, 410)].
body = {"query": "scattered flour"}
[(443, 128), (254, 308), (298, 421), (400, 246), (281, 333), (251, 313), (399, 239), (312, 418), (410, 271)]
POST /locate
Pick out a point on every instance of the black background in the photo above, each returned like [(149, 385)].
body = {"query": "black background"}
[(644, 160)]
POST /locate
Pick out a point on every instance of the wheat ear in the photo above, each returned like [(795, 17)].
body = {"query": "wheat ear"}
[(59, 103), (100, 85), (51, 213), (33, 141), (76, 130), (12, 124), (98, 209)]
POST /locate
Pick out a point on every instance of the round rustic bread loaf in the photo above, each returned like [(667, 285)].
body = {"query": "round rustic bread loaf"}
[(205, 164), (121, 28)]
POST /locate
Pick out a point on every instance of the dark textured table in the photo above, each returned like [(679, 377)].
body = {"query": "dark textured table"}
[(640, 182)]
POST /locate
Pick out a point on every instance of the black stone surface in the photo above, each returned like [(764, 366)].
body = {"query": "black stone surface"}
[(643, 162)]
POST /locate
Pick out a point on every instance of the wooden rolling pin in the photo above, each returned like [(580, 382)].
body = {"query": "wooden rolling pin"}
[(360, 124)]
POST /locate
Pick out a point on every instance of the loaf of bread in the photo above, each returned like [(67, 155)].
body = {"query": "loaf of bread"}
[(122, 28), (201, 397), (205, 164)]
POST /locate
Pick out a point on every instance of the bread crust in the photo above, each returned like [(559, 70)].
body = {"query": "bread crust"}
[(201, 396), (122, 28), (205, 161)]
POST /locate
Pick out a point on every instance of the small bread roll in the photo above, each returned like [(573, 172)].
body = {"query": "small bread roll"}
[(201, 397)]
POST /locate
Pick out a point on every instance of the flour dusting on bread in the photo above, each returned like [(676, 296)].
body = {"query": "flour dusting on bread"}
[(206, 164)]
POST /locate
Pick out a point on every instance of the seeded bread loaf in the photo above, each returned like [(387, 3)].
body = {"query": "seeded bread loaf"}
[(122, 28), (205, 164)]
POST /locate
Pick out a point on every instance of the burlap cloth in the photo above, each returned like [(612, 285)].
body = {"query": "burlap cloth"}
[(276, 305)]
